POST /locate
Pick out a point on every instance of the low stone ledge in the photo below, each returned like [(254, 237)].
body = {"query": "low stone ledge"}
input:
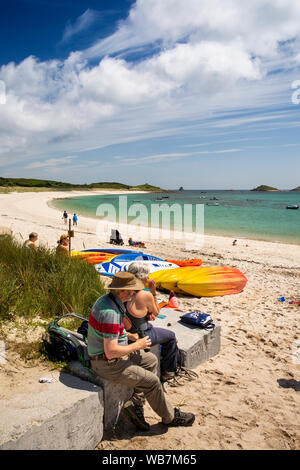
[(114, 395), (65, 415), (74, 412), (196, 345)]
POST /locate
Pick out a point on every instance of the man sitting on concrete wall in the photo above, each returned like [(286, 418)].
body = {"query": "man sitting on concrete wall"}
[(115, 360)]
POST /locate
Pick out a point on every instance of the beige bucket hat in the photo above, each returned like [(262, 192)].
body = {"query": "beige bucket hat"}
[(123, 280)]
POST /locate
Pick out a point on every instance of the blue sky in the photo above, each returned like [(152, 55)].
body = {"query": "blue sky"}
[(195, 94)]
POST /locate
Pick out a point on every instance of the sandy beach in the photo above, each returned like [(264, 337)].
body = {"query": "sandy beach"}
[(247, 397)]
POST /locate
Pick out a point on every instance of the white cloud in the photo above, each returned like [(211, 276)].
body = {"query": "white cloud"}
[(82, 23), (52, 162), (214, 56), (156, 158), (170, 21)]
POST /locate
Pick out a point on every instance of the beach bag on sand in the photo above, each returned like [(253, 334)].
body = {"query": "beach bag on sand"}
[(62, 344), (202, 320)]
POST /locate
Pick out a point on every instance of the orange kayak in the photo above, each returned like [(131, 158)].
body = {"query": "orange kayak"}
[(97, 259), (187, 262)]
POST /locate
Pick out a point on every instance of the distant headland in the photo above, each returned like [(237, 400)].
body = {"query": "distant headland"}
[(9, 184), (264, 187)]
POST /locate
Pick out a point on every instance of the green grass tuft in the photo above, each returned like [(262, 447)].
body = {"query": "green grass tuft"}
[(43, 283)]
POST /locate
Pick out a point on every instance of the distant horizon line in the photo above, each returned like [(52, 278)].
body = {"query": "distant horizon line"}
[(181, 188)]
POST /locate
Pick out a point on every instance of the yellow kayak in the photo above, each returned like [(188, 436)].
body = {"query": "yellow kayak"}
[(201, 281), (168, 278)]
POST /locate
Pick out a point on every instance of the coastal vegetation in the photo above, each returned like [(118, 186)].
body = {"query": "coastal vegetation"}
[(264, 187), (43, 284), (12, 184)]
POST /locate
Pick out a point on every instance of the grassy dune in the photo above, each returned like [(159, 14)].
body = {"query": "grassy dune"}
[(43, 283), (25, 184)]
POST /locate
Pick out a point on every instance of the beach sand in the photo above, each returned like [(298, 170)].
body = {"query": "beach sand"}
[(246, 397)]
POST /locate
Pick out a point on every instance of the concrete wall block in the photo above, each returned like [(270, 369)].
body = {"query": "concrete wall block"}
[(80, 427), (114, 395), (195, 344), (207, 346), (65, 415)]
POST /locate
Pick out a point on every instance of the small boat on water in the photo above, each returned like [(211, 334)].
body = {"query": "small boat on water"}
[(292, 206)]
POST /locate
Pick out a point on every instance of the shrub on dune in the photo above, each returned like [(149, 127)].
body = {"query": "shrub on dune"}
[(43, 283)]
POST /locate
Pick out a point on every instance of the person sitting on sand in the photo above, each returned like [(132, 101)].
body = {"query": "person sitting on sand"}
[(139, 244), (144, 307), (30, 243), (63, 244), (234, 242)]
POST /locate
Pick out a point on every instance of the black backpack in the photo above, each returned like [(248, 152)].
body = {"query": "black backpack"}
[(65, 345)]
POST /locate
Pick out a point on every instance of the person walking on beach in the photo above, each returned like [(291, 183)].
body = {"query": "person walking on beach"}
[(30, 243), (75, 219), (65, 217), (63, 244), (113, 359)]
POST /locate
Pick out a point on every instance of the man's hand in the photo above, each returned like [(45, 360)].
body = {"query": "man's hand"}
[(133, 336), (144, 343)]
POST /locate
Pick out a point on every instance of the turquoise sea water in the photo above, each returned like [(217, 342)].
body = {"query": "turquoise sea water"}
[(245, 214)]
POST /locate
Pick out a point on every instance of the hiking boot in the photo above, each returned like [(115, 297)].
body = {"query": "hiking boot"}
[(165, 376), (136, 414), (182, 419)]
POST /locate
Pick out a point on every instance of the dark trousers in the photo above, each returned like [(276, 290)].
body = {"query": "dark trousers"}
[(169, 349)]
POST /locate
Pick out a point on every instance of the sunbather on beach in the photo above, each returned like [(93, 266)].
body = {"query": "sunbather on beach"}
[(133, 243), (30, 243), (113, 359), (63, 244), (144, 307)]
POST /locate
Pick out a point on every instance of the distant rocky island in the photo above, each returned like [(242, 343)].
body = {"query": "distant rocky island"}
[(264, 187)]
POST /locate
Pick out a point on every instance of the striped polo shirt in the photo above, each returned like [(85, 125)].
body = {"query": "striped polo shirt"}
[(105, 321)]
